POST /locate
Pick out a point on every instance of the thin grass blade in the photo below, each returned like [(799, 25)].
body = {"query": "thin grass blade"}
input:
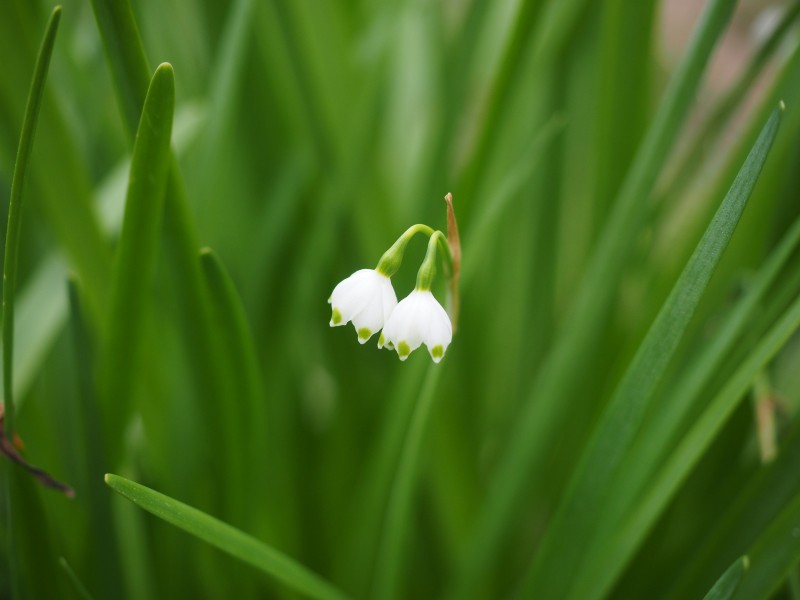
[(15, 212), (77, 584), (773, 556), (729, 582)]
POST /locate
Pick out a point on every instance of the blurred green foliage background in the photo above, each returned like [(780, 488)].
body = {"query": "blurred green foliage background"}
[(585, 167)]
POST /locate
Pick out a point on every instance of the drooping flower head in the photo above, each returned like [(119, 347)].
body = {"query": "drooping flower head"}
[(418, 319), (366, 298)]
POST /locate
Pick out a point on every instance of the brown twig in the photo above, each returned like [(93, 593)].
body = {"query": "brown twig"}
[(10, 449)]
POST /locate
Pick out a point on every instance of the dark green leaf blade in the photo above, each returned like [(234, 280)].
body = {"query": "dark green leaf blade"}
[(15, 214), (772, 557), (729, 582), (585, 500)]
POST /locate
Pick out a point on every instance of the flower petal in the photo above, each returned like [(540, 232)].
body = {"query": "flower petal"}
[(366, 298)]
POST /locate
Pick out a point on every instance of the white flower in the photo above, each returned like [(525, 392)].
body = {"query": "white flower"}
[(366, 298), (418, 319)]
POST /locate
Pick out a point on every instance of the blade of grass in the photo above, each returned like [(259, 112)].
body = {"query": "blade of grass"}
[(15, 214), (620, 546), (138, 246), (355, 564), (77, 584), (126, 54), (129, 68), (773, 556), (244, 376), (390, 558), (548, 33), (41, 305), (744, 519), (655, 439), (585, 500), (729, 582), (226, 538), (544, 415), (103, 549)]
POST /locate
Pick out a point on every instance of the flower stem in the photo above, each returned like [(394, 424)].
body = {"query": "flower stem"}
[(391, 259), (428, 268)]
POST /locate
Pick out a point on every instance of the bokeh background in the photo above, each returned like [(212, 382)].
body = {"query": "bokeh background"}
[(308, 136)]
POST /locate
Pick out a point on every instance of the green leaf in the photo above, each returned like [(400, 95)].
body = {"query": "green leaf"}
[(773, 556), (227, 539), (728, 583), (663, 427), (743, 520), (126, 54), (390, 556), (588, 493), (619, 548), (15, 212), (547, 410), (104, 540), (77, 584), (243, 423), (41, 306), (129, 68), (138, 246), (585, 500)]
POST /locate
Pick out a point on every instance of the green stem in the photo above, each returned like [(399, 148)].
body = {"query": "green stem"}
[(428, 268), (391, 259)]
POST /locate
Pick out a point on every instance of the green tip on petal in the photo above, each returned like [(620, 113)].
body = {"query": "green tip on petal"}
[(403, 350), (336, 317), (363, 334), (381, 341), (437, 352)]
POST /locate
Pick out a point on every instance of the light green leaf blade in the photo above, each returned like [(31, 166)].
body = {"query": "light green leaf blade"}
[(138, 245), (226, 538), (729, 582), (15, 212)]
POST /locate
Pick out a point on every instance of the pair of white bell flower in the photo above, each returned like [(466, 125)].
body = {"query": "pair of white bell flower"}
[(367, 299)]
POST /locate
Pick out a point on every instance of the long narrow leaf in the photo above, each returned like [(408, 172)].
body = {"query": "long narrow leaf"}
[(620, 546), (15, 214), (588, 493), (226, 538), (394, 532), (138, 245), (729, 582), (773, 556), (547, 409)]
